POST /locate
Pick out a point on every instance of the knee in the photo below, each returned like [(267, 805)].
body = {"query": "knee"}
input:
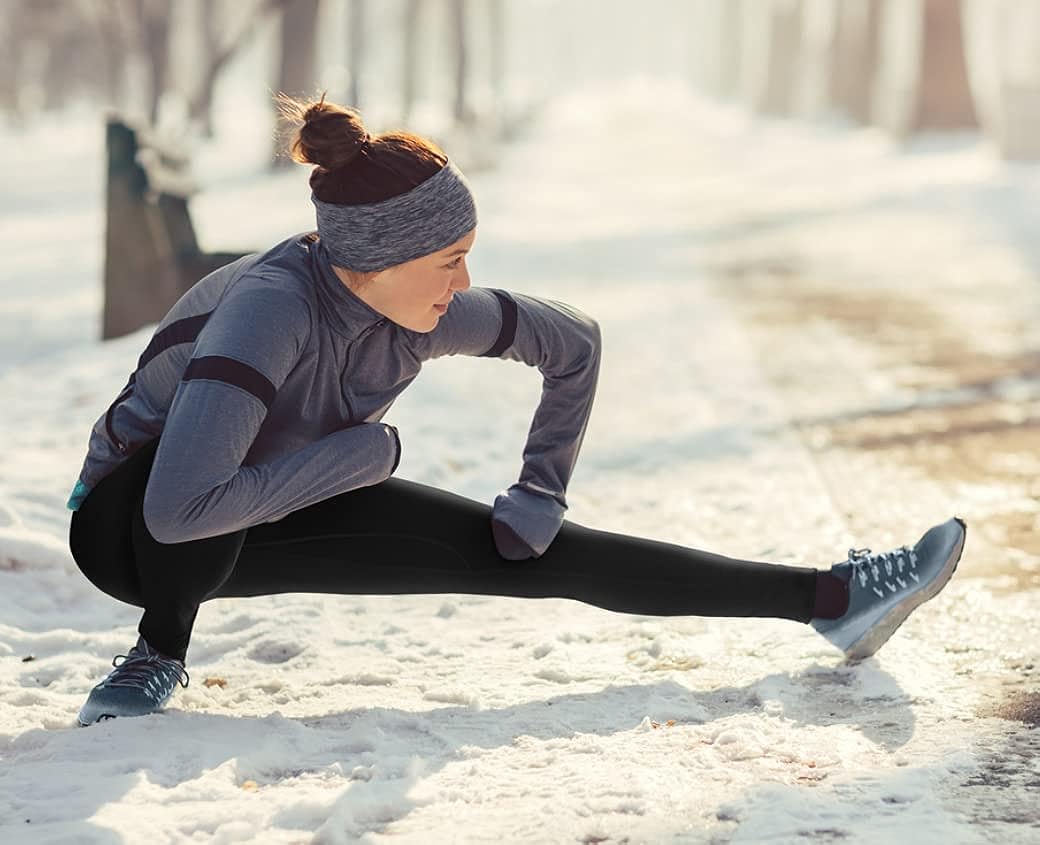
[(106, 569)]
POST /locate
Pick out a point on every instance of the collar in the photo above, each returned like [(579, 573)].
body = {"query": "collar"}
[(347, 313)]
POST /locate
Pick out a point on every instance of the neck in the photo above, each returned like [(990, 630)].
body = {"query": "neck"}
[(348, 280)]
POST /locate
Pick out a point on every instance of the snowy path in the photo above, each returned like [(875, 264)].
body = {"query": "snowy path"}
[(467, 718)]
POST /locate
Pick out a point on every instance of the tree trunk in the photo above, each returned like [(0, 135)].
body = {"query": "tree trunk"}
[(114, 41), (856, 57), (209, 38), (945, 101), (219, 51), (497, 37), (814, 73), (410, 28), (153, 26), (298, 47), (770, 55), (922, 80), (10, 64), (1002, 46), (356, 57), (458, 29)]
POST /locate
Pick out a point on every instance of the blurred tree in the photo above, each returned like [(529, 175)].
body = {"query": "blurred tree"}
[(15, 32), (922, 79), (219, 48), (814, 72), (47, 58), (9, 64), (116, 34), (855, 56), (297, 58), (770, 55), (497, 45), (717, 37), (1002, 47), (356, 50), (410, 29), (461, 110), (151, 19), (837, 58), (112, 40)]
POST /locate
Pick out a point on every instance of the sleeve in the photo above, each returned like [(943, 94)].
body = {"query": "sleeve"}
[(564, 344), (198, 486)]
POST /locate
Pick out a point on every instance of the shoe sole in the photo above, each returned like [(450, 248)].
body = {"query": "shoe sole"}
[(100, 718), (885, 627)]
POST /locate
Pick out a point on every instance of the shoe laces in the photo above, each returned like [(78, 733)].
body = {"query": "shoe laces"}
[(140, 670), (884, 573)]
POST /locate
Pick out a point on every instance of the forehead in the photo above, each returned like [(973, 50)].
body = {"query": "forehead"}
[(461, 245)]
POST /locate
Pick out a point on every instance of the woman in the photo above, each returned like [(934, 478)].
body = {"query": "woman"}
[(246, 455)]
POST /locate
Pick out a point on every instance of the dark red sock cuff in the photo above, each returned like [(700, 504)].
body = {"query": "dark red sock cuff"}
[(832, 596)]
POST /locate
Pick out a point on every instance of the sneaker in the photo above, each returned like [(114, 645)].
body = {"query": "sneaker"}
[(885, 587), (141, 684)]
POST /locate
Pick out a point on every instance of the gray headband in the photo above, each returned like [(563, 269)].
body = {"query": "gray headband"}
[(432, 215)]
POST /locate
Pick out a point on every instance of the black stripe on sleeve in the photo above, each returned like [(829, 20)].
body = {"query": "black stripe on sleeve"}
[(507, 334), (181, 331), (230, 371)]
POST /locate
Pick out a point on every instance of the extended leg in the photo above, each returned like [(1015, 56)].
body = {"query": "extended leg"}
[(404, 537)]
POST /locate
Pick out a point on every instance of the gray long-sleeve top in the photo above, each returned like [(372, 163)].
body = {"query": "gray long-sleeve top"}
[(267, 381)]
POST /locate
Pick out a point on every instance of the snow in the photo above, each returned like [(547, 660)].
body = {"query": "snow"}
[(471, 718)]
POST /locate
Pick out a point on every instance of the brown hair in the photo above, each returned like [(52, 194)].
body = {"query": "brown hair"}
[(350, 171)]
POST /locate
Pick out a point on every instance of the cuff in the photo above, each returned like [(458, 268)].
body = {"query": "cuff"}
[(527, 522), (79, 493), (397, 440)]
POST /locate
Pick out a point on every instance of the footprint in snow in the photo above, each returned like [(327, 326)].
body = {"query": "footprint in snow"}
[(273, 651)]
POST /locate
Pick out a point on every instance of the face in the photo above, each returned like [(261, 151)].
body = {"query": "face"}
[(409, 293)]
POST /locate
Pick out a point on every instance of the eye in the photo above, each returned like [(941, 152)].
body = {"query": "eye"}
[(454, 263)]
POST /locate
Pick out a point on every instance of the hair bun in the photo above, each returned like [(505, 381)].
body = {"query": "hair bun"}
[(331, 135)]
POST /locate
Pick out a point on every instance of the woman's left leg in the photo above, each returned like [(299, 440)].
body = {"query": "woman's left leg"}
[(402, 537)]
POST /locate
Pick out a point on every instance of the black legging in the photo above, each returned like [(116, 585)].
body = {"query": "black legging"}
[(400, 537)]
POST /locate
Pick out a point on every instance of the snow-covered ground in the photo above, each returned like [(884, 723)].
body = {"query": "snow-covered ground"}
[(481, 719)]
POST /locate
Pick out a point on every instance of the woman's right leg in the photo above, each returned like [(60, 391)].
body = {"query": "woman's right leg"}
[(114, 549)]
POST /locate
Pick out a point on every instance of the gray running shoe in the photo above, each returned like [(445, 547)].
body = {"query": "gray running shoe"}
[(885, 587), (141, 684)]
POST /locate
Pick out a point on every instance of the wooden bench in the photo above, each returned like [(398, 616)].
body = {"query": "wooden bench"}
[(152, 256)]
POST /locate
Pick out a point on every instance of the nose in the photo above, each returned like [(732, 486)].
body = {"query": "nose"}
[(460, 278)]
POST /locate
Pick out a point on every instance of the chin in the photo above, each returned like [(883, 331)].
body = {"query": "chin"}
[(427, 326)]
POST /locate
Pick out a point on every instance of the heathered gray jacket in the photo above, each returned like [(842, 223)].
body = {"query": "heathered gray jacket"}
[(268, 378)]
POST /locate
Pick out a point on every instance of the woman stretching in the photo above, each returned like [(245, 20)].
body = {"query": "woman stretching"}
[(246, 456)]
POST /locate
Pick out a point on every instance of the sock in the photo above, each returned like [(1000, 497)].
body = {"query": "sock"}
[(832, 596), (142, 640)]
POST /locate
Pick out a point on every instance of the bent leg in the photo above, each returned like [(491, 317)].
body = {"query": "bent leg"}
[(176, 578), (99, 533), (116, 552)]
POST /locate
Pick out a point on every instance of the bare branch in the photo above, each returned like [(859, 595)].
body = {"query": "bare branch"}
[(223, 54)]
